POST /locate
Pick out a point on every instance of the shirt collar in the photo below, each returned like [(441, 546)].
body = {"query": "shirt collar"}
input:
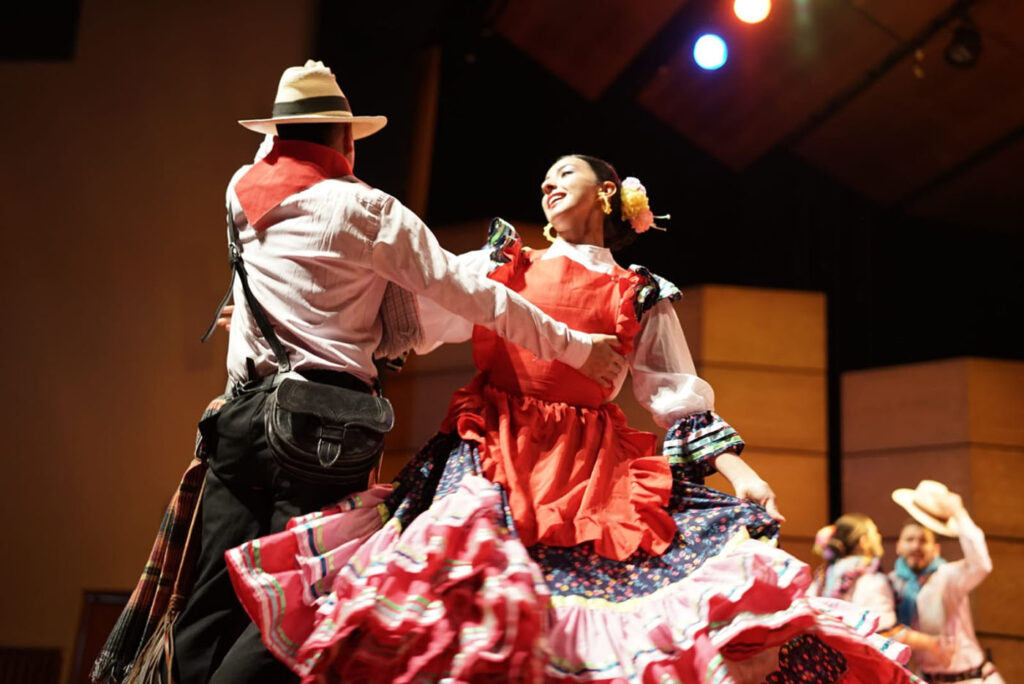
[(290, 167), (594, 257)]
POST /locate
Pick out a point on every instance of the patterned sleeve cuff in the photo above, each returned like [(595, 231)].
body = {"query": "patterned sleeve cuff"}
[(650, 290), (693, 442)]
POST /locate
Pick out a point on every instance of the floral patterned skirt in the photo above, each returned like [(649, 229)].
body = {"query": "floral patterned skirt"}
[(427, 581)]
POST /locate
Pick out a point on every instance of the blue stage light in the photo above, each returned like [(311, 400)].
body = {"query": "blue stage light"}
[(710, 52)]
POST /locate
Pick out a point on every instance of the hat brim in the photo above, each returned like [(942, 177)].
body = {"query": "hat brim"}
[(362, 126), (905, 499)]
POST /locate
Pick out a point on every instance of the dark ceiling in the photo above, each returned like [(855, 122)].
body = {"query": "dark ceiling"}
[(858, 88), (836, 151)]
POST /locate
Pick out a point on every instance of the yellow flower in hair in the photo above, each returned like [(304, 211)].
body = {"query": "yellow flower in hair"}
[(634, 198), (636, 207)]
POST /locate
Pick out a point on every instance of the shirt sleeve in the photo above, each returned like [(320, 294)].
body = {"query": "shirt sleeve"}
[(872, 591), (441, 326), (407, 253), (665, 381), (974, 567)]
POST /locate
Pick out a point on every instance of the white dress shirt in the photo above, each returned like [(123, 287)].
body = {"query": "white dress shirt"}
[(320, 267), (944, 607), (665, 381)]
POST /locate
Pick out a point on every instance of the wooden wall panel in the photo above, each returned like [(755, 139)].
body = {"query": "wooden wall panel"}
[(1006, 655), (755, 326), (994, 396), (779, 409), (996, 601), (995, 490), (905, 406), (126, 149)]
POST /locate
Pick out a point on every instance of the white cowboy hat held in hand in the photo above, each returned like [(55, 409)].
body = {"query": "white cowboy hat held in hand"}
[(928, 504)]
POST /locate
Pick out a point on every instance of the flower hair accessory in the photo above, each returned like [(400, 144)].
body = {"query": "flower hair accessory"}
[(636, 208), (821, 540)]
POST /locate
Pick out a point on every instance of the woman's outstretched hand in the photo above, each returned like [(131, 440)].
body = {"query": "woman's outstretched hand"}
[(760, 492), (605, 363), (747, 483)]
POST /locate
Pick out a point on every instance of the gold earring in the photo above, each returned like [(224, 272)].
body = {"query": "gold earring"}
[(547, 232), (606, 205)]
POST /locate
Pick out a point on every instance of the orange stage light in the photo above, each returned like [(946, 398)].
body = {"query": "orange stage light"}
[(752, 11)]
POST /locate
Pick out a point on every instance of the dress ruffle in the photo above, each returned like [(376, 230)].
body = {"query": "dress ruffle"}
[(572, 474), (457, 596), (744, 601), (454, 596)]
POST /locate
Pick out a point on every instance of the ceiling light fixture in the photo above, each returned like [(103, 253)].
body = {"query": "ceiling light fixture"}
[(752, 11), (965, 46), (710, 52)]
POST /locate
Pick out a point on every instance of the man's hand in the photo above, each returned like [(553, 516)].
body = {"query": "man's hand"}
[(224, 320), (939, 649), (605, 363)]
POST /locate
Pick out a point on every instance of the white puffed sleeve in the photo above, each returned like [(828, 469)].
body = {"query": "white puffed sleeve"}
[(665, 381)]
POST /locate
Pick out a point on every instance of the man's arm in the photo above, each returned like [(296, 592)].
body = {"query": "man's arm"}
[(976, 563), (406, 252)]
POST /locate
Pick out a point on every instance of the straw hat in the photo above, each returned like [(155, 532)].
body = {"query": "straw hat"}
[(310, 94), (924, 503)]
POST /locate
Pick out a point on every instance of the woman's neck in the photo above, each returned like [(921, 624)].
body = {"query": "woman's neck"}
[(590, 232)]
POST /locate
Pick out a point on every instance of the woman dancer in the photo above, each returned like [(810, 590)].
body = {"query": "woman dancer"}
[(852, 550), (538, 536)]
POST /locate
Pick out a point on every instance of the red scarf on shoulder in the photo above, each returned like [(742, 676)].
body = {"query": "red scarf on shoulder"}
[(290, 167)]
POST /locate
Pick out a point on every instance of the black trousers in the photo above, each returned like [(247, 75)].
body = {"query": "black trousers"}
[(246, 496)]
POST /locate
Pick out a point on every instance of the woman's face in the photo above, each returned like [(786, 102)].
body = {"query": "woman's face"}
[(570, 196)]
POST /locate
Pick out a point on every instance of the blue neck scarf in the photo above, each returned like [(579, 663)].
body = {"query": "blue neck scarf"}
[(906, 609)]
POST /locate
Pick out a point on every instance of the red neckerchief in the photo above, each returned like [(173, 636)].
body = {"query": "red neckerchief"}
[(290, 167)]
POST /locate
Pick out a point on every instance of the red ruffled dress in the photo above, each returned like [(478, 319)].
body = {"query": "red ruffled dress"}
[(538, 537), (573, 469)]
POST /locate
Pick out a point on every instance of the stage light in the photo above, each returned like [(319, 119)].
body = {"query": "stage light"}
[(710, 52), (965, 47), (752, 11)]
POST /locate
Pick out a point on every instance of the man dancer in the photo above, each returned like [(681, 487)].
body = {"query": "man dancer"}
[(932, 596), (334, 264)]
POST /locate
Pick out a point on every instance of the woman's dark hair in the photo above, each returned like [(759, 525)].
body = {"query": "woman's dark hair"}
[(617, 232), (850, 528), (319, 133)]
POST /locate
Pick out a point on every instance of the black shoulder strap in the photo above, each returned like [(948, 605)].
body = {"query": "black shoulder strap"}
[(238, 267)]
